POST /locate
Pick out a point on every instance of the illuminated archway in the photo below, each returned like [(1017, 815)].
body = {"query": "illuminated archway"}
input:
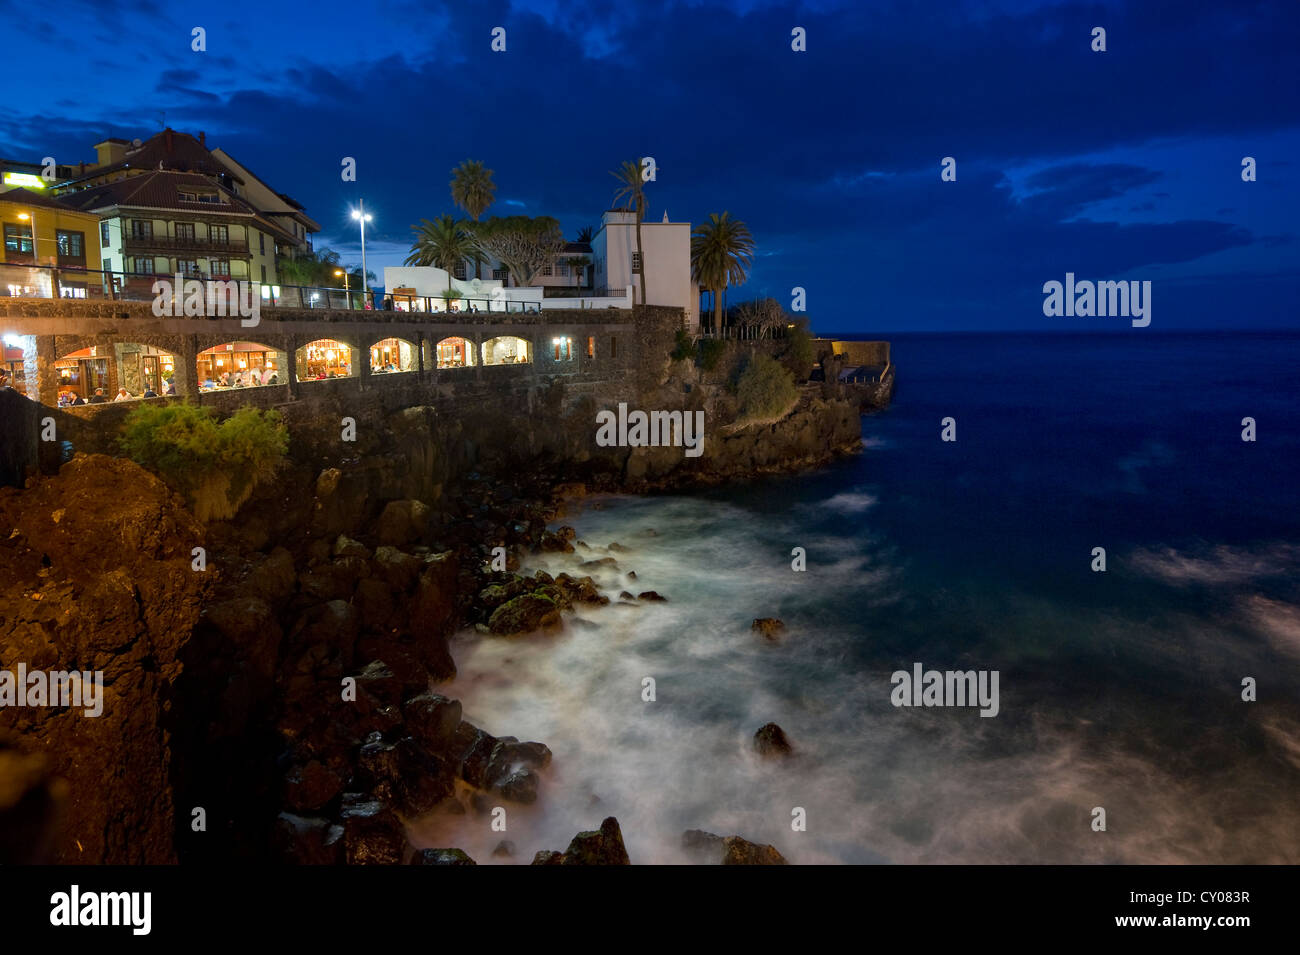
[(120, 371), (325, 358), (393, 355), (240, 365), (507, 350), (454, 353)]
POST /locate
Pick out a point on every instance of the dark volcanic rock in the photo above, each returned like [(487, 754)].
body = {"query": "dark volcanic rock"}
[(311, 786), (652, 595), (433, 721), (769, 627), (305, 840), (524, 615), (770, 741), (372, 833), (505, 850), (441, 857), (737, 851), (601, 847)]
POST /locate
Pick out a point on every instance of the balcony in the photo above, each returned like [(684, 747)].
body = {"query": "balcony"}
[(172, 243)]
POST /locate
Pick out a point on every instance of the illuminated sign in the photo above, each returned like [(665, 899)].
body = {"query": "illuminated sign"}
[(24, 179)]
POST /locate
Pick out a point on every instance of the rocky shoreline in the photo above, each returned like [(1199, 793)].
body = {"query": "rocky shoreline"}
[(281, 704)]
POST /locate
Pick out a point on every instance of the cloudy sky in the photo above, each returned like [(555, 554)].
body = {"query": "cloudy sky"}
[(1117, 165)]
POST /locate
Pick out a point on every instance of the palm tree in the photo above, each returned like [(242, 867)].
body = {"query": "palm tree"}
[(632, 188), (444, 243), (473, 190), (585, 235), (577, 263), (721, 251)]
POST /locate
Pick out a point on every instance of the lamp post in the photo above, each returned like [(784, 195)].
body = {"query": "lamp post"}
[(363, 217), (347, 292)]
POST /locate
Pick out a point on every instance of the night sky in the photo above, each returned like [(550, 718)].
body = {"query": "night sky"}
[(1117, 165)]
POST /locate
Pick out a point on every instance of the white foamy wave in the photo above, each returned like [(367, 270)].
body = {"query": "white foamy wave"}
[(1222, 565), (851, 502)]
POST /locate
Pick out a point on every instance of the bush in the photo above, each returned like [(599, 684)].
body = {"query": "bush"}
[(214, 465), (765, 389), (684, 347), (711, 352), (799, 350)]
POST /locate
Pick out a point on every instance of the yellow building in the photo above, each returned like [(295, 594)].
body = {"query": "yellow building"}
[(45, 240)]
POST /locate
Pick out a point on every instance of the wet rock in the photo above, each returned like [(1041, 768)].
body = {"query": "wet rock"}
[(598, 563), (311, 786), (570, 490), (769, 627), (624, 595), (307, 840), (372, 833), (432, 720), (272, 578), (548, 857), (495, 595), (552, 543), (602, 847), (519, 786), (441, 857), (651, 595), (505, 849), (631, 575), (475, 749), (396, 568), (524, 615), (618, 548), (402, 522), (345, 546), (703, 843), (738, 851), (770, 740)]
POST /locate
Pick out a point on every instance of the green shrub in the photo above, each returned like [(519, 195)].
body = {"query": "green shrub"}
[(214, 465), (684, 347), (799, 349), (711, 352), (765, 389)]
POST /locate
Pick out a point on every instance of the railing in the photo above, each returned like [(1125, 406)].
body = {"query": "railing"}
[(743, 332), (184, 243), (20, 280)]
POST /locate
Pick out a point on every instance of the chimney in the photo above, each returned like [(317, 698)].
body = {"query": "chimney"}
[(203, 139), (169, 139)]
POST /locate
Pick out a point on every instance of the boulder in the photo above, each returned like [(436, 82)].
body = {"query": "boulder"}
[(345, 546), (372, 833), (524, 615), (432, 720), (601, 847), (311, 786), (651, 595), (738, 851), (770, 741), (769, 627), (505, 850), (402, 522), (441, 857), (306, 840)]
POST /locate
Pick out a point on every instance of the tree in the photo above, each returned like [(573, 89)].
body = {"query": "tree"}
[(444, 243), (585, 235), (764, 314), (524, 245), (577, 264), (721, 251), (632, 188), (315, 269), (473, 190), (765, 390)]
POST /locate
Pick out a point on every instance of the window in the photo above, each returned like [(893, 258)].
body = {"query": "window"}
[(103, 233), (221, 267), (563, 348), (141, 229), (144, 266), (264, 275), (501, 275), (613, 347), (219, 233), (459, 271), (591, 346), (72, 245), (198, 195), (188, 266), (636, 261), (261, 243), (548, 270), (185, 230), (72, 290), (18, 239)]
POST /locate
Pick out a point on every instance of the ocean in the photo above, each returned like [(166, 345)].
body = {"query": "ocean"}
[(1119, 690)]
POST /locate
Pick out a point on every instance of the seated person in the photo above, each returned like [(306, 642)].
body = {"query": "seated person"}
[(98, 397), (122, 395), (149, 392)]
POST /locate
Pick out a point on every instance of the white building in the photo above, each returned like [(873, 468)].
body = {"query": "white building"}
[(667, 261)]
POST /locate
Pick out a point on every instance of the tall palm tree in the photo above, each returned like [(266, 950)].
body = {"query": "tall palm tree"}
[(443, 242), (473, 190), (586, 234), (632, 188), (722, 249)]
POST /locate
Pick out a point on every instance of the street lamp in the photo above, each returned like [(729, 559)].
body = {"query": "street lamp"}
[(347, 292), (363, 217)]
